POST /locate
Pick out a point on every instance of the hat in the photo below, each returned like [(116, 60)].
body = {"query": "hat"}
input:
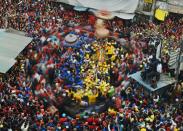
[(113, 98), (63, 115), (64, 94), (93, 113)]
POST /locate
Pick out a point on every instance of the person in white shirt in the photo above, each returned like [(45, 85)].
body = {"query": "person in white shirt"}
[(25, 127), (159, 68)]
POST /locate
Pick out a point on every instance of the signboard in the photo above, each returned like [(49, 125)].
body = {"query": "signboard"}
[(147, 5), (148, 1)]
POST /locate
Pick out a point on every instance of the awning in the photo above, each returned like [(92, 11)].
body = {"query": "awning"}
[(121, 8), (11, 44)]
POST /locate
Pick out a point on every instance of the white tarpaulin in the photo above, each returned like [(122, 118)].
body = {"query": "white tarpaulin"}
[(10, 46), (121, 8), (6, 64)]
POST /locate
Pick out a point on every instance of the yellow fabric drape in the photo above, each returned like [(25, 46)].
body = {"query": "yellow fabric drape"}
[(143, 129), (77, 96), (110, 50), (92, 98), (161, 14)]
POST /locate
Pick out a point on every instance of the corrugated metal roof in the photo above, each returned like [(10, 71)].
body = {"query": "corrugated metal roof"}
[(175, 9)]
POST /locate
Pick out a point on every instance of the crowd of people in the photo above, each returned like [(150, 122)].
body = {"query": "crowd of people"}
[(51, 73)]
